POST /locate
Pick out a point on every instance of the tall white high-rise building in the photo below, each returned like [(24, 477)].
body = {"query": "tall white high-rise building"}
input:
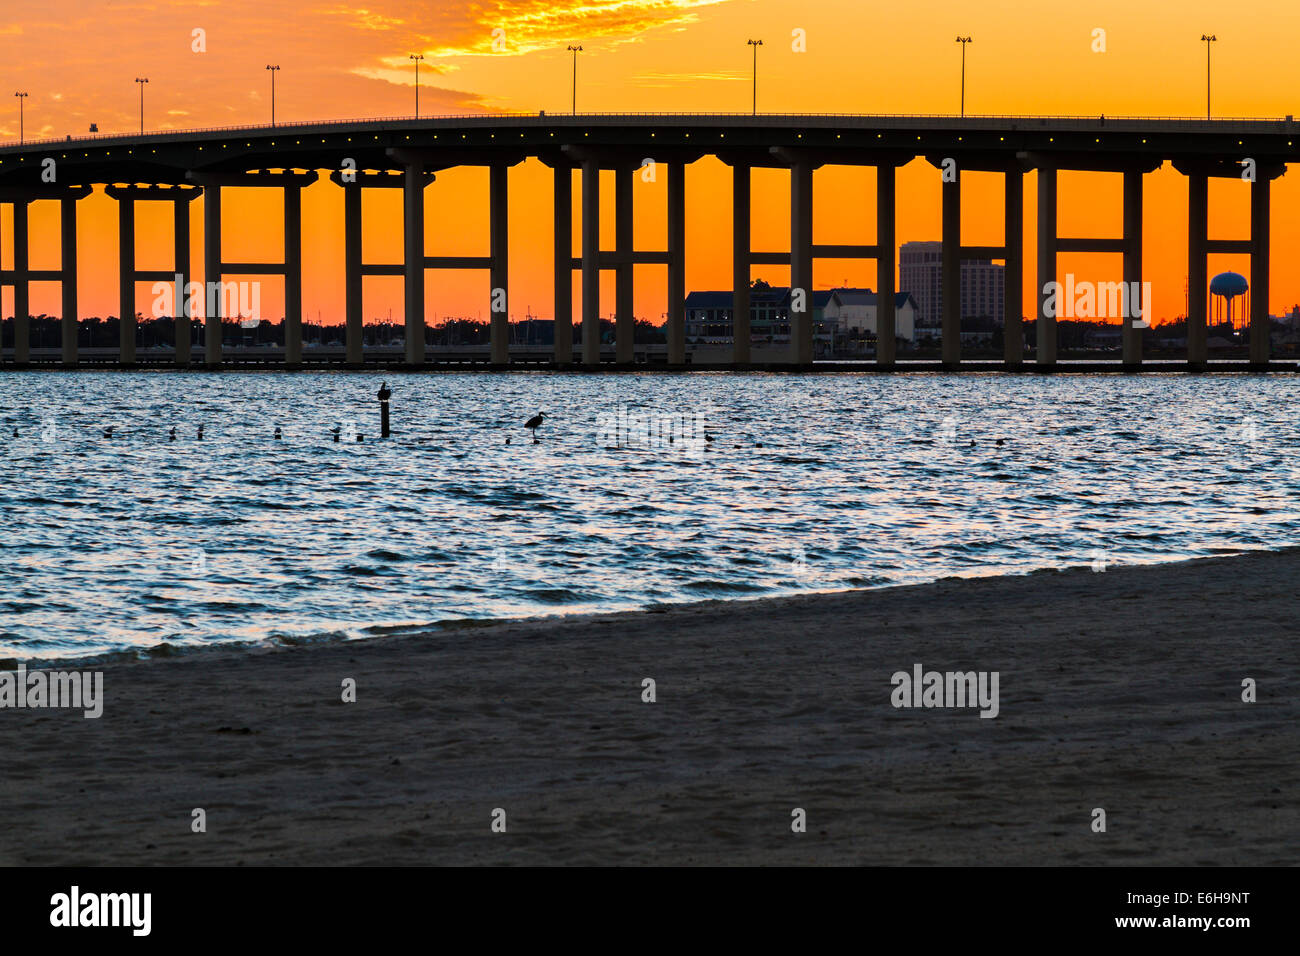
[(920, 268)]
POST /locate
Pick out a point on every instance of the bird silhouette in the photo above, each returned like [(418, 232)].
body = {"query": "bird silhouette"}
[(108, 432), (200, 432), (533, 424), (335, 432), (171, 435), (277, 431), (384, 392)]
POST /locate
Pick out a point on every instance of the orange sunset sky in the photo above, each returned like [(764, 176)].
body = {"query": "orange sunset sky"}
[(78, 59)]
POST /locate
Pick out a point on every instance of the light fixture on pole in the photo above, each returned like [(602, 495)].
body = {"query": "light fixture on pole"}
[(21, 97), (575, 50), (417, 57), (1208, 38), (274, 70), (755, 44), (142, 82), (963, 41)]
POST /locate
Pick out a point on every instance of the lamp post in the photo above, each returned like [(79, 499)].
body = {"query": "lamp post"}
[(142, 82), (575, 50), (755, 44), (963, 41), (417, 57), (274, 70), (1208, 38), (21, 97)]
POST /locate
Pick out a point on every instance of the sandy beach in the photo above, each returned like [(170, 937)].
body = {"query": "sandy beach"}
[(1120, 690)]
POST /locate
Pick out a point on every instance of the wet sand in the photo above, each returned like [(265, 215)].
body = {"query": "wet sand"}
[(1119, 690)]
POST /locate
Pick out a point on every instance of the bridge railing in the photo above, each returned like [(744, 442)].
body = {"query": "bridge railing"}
[(1009, 121)]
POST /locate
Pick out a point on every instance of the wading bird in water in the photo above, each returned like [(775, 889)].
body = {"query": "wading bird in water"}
[(533, 424)]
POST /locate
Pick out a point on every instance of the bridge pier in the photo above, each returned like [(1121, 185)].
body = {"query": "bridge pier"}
[(563, 201), (1013, 238), (126, 280), (802, 321), (413, 244), (68, 268), (950, 272), (22, 309), (128, 275), (1260, 327), (292, 276), (1198, 215), (181, 302), (214, 303), (740, 265), (500, 268), (677, 264), (886, 263), (352, 277), (1132, 333), (1045, 354), (590, 262), (624, 316)]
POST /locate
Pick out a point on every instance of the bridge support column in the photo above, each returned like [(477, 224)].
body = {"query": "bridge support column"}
[(590, 263), (1132, 334), (1198, 207), (740, 269), (950, 273), (624, 315), (353, 281), (1260, 327), (563, 265), (22, 309), (413, 242), (499, 272), (1046, 352), (68, 267), (292, 276), (126, 281), (886, 326), (677, 264), (181, 300), (215, 301), (1013, 329), (802, 321)]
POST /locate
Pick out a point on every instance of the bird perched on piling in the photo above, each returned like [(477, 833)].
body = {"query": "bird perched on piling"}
[(533, 424), (385, 393)]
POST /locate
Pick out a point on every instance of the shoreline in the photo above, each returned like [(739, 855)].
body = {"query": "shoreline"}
[(1119, 690), (167, 651)]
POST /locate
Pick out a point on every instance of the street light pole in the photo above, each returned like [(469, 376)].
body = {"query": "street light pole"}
[(1208, 38), (575, 50), (963, 41), (21, 97), (755, 44), (274, 70), (417, 57), (142, 82)]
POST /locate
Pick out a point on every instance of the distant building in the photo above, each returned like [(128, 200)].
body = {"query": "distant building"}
[(843, 319), (920, 268)]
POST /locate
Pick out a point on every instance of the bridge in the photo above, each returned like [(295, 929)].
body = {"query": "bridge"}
[(406, 153)]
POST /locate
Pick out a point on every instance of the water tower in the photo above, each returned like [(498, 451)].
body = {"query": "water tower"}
[(1225, 288)]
